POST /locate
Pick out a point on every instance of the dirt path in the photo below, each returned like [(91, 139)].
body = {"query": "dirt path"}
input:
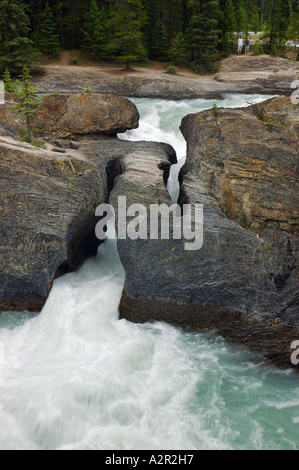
[(234, 67), (237, 74), (156, 68)]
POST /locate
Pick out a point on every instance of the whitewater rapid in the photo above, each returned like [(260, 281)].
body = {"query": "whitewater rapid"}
[(77, 377)]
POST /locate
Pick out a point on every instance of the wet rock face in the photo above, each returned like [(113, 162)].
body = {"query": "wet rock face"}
[(47, 209), (49, 195), (242, 283), (47, 221)]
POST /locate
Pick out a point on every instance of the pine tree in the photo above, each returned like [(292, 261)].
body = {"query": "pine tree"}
[(153, 11), (29, 102), (203, 30), (15, 47), (9, 85), (227, 25), (178, 50), (74, 19), (159, 42), (48, 39), (279, 22), (255, 22), (95, 35), (242, 18), (293, 31), (126, 21), (172, 16)]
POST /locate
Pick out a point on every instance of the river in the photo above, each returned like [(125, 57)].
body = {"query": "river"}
[(77, 377)]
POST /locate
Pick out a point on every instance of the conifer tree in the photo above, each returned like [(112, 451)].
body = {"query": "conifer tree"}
[(15, 47), (48, 39), (255, 22), (95, 35), (126, 21), (227, 25), (29, 102), (293, 31), (159, 41), (178, 50), (9, 85), (203, 30), (73, 20), (242, 18), (153, 11), (279, 22)]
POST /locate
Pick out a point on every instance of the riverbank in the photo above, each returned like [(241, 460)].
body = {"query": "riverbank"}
[(237, 74)]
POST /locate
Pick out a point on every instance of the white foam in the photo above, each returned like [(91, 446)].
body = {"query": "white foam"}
[(76, 377)]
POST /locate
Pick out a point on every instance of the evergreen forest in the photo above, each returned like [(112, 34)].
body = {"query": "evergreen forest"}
[(193, 33)]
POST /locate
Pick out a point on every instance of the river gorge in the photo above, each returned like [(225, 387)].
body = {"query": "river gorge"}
[(76, 376)]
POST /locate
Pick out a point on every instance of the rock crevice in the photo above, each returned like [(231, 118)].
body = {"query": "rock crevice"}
[(244, 280), (49, 195)]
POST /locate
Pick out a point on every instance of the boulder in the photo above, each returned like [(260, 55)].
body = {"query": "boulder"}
[(248, 161), (243, 282), (86, 114), (75, 115)]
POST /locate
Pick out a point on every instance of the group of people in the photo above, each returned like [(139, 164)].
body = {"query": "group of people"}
[(241, 44)]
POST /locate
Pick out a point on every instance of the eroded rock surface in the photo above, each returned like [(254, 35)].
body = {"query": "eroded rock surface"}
[(47, 209), (47, 220), (248, 161), (75, 116), (86, 114), (243, 283), (49, 195), (242, 166)]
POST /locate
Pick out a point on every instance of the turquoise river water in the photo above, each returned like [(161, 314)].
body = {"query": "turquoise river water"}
[(77, 377)]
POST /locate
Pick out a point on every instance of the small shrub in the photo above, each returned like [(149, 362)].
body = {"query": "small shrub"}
[(9, 85), (226, 210), (27, 137), (74, 61), (87, 90), (215, 111), (204, 65), (270, 247), (258, 48), (171, 69), (56, 94), (29, 103)]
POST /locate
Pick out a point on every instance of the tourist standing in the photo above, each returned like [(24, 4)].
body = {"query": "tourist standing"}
[(247, 46), (240, 45)]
